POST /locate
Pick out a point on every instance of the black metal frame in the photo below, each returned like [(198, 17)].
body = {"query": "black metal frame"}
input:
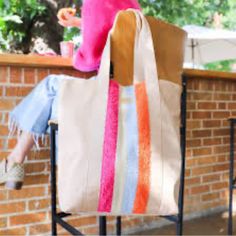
[(232, 179), (57, 218)]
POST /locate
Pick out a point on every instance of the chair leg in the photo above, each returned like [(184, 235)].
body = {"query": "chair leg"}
[(102, 225), (53, 180), (179, 223), (231, 177), (118, 225)]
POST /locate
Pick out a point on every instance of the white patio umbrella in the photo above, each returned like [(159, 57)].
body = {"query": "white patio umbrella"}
[(206, 45)]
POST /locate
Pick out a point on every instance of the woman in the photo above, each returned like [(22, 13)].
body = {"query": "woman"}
[(31, 116)]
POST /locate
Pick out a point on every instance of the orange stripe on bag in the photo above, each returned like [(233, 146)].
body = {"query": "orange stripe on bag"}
[(143, 188)]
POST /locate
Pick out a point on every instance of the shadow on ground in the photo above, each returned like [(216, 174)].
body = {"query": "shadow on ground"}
[(209, 225)]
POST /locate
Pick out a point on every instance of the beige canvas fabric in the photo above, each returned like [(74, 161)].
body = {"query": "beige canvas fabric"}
[(82, 112)]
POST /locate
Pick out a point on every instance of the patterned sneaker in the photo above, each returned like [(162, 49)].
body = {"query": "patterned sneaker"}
[(14, 177)]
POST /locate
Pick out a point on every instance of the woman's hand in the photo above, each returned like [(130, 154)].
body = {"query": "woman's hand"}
[(66, 17)]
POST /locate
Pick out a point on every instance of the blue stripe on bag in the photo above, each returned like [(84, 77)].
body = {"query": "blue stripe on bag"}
[(131, 176)]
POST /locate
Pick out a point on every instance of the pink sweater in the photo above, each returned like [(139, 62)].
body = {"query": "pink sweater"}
[(97, 19)]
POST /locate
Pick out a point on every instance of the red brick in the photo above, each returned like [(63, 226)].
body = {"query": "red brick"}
[(55, 71), (221, 132), (1, 91), (210, 196), (193, 124), (29, 76), (211, 123), (201, 96), (42, 155), (27, 192), (191, 106), (222, 158), (201, 115), (3, 74), (231, 105), (221, 149), (2, 142), (207, 105), (226, 140), (202, 151), (219, 185), (6, 104), (15, 207), (3, 222), (221, 167), (200, 189), (192, 181), (221, 96), (187, 172), (83, 221), (201, 170), (36, 179), (193, 143), (210, 178), (4, 130), (211, 141), (221, 114), (222, 105), (15, 75), (13, 231), (191, 162), (39, 229), (27, 218), (18, 91), (11, 143), (34, 167), (206, 160), (201, 133), (39, 204), (41, 74), (206, 85)]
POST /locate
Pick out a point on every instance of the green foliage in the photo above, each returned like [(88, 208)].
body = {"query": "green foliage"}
[(220, 66), (229, 19), (70, 33), (199, 12), (15, 18)]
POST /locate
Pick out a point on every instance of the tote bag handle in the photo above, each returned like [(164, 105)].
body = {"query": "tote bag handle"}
[(144, 54)]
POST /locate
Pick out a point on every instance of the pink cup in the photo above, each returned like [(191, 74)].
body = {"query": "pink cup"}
[(67, 49)]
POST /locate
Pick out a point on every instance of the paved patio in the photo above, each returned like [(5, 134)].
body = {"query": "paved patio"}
[(210, 225)]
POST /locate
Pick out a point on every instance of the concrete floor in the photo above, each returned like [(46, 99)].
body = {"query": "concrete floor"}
[(210, 225)]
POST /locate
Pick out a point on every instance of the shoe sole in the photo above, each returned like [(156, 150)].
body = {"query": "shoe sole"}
[(14, 185)]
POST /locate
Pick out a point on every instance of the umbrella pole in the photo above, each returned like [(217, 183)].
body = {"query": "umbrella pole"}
[(192, 47)]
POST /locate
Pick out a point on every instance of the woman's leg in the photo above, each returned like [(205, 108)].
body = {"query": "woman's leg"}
[(31, 116), (24, 144)]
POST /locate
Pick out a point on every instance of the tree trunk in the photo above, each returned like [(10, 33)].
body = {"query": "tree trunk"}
[(43, 33)]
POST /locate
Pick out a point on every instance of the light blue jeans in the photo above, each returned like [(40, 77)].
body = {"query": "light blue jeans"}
[(37, 108)]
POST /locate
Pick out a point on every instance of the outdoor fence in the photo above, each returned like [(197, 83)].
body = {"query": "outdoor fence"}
[(211, 100)]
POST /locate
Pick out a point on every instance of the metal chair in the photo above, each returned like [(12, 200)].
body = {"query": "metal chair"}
[(232, 178)]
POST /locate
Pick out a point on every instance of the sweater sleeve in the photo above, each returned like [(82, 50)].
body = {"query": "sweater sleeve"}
[(97, 20)]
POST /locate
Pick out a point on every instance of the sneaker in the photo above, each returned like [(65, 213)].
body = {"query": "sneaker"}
[(12, 178)]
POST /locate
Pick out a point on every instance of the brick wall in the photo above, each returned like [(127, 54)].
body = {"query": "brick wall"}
[(210, 102)]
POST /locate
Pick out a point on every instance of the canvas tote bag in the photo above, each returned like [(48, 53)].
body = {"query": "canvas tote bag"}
[(119, 149)]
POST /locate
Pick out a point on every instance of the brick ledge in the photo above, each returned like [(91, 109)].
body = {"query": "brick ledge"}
[(35, 61), (209, 74), (60, 62)]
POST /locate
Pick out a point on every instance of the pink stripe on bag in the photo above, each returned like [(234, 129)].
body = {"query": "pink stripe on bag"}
[(109, 149)]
